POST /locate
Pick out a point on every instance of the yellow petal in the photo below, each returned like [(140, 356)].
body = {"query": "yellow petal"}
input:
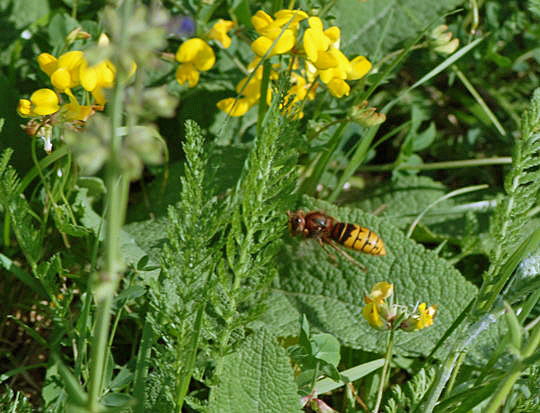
[(186, 73), (61, 79), (219, 32), (334, 35), (71, 59), (344, 66), (25, 108), (251, 89), (47, 62), (99, 96), (88, 77), (287, 15), (372, 315), (315, 23), (198, 52), (106, 73), (360, 66), (261, 45), (314, 41), (234, 107), (325, 60), (260, 20), (381, 291), (73, 111), (284, 44), (45, 102)]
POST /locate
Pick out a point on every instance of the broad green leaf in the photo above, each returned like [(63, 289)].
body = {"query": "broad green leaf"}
[(332, 293), (362, 23), (256, 378), (402, 199)]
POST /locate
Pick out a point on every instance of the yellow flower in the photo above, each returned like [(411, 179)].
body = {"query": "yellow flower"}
[(283, 45), (196, 56), (338, 87), (376, 310), (360, 67), (47, 62), (42, 102), (25, 108), (187, 73), (345, 70), (219, 32), (95, 78), (318, 45), (285, 16), (425, 316), (235, 106), (66, 73), (273, 30), (197, 52), (72, 111)]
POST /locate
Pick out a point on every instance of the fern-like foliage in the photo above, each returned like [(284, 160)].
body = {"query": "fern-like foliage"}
[(18, 211), (522, 185), (405, 397), (188, 264), (257, 222)]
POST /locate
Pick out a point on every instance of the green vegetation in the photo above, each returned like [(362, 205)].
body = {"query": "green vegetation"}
[(145, 257)]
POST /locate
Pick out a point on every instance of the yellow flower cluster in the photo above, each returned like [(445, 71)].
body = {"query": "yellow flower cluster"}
[(69, 71), (319, 48), (195, 55), (385, 316)]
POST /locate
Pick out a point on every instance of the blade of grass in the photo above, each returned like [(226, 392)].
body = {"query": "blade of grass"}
[(352, 374), (363, 147), (23, 276), (464, 163), (442, 198), (461, 76)]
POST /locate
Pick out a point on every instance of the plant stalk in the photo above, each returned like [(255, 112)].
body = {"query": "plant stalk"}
[(385, 371), (117, 194)]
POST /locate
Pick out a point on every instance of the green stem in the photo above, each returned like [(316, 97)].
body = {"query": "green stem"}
[(385, 371), (5, 233), (479, 99), (454, 375), (141, 368), (506, 386), (464, 163), (311, 183), (186, 375), (357, 159), (117, 191), (462, 343)]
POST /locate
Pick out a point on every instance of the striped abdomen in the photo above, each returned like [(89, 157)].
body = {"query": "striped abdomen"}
[(358, 238)]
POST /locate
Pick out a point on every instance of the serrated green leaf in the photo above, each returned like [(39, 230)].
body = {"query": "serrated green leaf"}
[(331, 294), (256, 378), (361, 23)]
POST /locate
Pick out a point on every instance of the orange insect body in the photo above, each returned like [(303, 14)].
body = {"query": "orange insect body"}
[(327, 229)]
